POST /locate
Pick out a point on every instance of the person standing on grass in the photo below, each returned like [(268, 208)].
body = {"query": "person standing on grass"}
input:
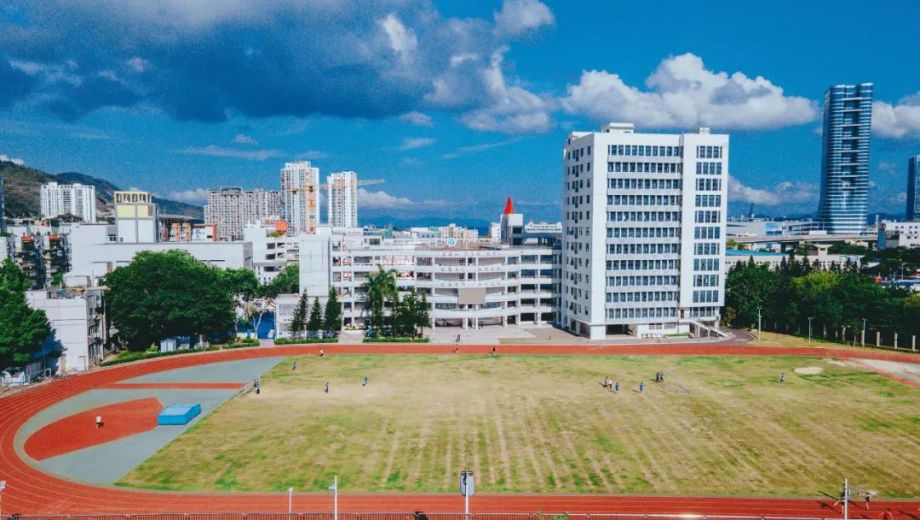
[(616, 387), (294, 366), (327, 387), (782, 377), (641, 386), (365, 381)]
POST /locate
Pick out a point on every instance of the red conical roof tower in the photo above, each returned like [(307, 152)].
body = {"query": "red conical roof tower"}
[(509, 207)]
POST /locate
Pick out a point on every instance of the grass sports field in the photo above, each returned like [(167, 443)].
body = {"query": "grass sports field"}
[(717, 425)]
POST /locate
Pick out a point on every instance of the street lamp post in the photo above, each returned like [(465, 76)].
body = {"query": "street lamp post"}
[(335, 497), (758, 324), (290, 501), (863, 338), (809, 328)]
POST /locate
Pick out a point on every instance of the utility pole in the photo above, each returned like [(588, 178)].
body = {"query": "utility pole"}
[(863, 340), (846, 499), (335, 497), (290, 501), (809, 328), (758, 324)]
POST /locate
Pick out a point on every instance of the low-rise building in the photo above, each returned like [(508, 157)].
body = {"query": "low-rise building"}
[(892, 235), (78, 326), (272, 249), (468, 284)]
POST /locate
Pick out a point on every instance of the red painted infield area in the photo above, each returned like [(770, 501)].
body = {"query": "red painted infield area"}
[(79, 431), (29, 490)]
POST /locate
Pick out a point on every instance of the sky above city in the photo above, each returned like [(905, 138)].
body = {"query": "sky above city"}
[(454, 104)]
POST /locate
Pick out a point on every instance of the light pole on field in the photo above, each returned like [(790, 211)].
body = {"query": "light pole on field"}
[(863, 339), (335, 497), (846, 499), (290, 501), (809, 328), (758, 324)]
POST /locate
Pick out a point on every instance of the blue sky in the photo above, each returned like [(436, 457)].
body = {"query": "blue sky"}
[(455, 104)]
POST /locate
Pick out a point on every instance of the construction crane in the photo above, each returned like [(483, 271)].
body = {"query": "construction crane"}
[(366, 182)]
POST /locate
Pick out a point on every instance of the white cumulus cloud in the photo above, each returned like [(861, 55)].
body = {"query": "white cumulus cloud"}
[(381, 200), (194, 195), (14, 160), (682, 93), (411, 143), (244, 139), (417, 119), (899, 120), (218, 151), (784, 193), (520, 16)]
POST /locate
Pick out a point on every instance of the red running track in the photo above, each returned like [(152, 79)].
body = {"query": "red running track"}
[(31, 491)]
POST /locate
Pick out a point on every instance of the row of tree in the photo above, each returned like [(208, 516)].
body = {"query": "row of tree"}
[(309, 322), (390, 314), (799, 292), (22, 329)]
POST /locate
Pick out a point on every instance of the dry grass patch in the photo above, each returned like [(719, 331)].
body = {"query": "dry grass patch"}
[(718, 425)]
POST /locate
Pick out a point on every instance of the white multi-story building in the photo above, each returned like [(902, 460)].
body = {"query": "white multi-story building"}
[(231, 209), (300, 197), (467, 284), (343, 199), (272, 250), (898, 234), (78, 328), (136, 217), (68, 199), (644, 231)]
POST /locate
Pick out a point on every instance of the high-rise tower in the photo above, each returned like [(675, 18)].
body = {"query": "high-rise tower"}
[(300, 197), (343, 199), (913, 188), (845, 158)]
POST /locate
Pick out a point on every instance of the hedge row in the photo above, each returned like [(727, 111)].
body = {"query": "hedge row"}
[(396, 340), (285, 341), (129, 356)]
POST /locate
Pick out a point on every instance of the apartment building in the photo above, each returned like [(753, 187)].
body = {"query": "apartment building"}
[(231, 209), (136, 217), (643, 243), (300, 197), (343, 199), (68, 199), (272, 249)]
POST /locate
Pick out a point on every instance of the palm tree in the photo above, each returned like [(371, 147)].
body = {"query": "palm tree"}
[(381, 288)]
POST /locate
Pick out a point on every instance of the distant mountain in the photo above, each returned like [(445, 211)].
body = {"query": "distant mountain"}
[(23, 187)]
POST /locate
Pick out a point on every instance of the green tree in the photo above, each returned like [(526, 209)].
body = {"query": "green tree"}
[(381, 289), (299, 318), (315, 323), (332, 317), (287, 282), (22, 329), (748, 288), (165, 294)]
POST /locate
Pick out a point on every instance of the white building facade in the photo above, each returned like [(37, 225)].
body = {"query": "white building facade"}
[(136, 217), (78, 328), (231, 209), (300, 197), (892, 235), (272, 251), (343, 199), (644, 231), (68, 199), (467, 284)]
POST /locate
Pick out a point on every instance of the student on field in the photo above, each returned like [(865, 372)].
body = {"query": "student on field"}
[(98, 422)]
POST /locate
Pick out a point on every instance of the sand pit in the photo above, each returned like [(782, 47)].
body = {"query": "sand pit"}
[(809, 371)]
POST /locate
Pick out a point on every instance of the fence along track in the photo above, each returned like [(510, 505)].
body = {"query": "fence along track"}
[(400, 516)]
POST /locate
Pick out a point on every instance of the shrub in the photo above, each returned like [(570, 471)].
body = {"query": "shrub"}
[(389, 339), (295, 341)]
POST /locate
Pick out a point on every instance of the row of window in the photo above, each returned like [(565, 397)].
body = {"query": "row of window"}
[(643, 184), (657, 312), (709, 201), (643, 167), (641, 265), (708, 168), (577, 153), (644, 200), (709, 185), (643, 232), (643, 249), (708, 152), (705, 296), (631, 281), (706, 232), (708, 217), (706, 248), (651, 296), (706, 280), (704, 312), (645, 150), (643, 216), (706, 264), (576, 169)]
